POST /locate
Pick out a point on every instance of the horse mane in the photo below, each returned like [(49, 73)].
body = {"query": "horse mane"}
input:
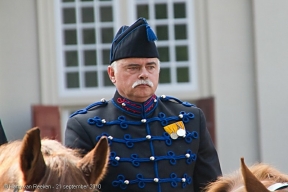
[(265, 173), (48, 163), (59, 161), (8, 168)]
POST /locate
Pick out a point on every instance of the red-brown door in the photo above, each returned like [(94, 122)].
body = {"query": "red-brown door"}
[(207, 106), (47, 118)]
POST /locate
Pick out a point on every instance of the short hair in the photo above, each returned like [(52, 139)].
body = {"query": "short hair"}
[(113, 65)]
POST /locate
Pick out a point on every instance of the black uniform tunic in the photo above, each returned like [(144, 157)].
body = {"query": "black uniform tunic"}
[(3, 138), (143, 155)]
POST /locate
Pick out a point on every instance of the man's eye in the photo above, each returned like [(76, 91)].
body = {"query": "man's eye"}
[(135, 68), (151, 67)]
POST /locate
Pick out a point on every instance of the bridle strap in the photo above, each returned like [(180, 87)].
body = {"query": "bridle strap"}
[(277, 186)]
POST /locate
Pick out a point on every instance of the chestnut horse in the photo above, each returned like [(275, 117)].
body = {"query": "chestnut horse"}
[(257, 178), (46, 165)]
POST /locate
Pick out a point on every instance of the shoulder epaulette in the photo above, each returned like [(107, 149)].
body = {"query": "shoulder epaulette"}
[(173, 99), (84, 110)]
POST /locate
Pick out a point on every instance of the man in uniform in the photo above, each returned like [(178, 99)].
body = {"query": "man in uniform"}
[(157, 143)]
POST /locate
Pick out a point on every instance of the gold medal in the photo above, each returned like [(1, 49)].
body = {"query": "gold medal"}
[(176, 130)]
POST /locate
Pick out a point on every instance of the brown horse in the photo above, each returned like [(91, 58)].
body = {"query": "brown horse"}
[(46, 165), (258, 178)]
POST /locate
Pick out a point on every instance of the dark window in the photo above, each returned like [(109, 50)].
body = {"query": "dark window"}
[(90, 57), (165, 76), (161, 11), (89, 36), (72, 80), (70, 37), (143, 11), (71, 58), (182, 74), (91, 79), (179, 10), (87, 15), (69, 15)]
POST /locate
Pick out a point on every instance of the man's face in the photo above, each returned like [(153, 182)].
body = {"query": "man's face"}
[(135, 78)]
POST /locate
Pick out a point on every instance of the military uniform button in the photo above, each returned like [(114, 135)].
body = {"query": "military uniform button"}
[(123, 104), (187, 155), (163, 96), (103, 100), (156, 180), (117, 158), (152, 158), (155, 100), (181, 116), (110, 137), (183, 180), (103, 121), (143, 120), (126, 182), (148, 136)]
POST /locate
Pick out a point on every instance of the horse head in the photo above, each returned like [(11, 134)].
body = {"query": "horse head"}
[(48, 164), (257, 178)]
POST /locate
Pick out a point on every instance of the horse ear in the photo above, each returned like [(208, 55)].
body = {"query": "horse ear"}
[(32, 162), (94, 164), (250, 181)]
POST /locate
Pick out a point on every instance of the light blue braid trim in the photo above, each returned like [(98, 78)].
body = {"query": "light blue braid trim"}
[(123, 123), (129, 141), (136, 161), (85, 110), (169, 98), (140, 180)]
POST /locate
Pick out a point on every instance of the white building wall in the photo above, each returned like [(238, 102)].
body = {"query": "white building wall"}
[(271, 41), (233, 81), (19, 72)]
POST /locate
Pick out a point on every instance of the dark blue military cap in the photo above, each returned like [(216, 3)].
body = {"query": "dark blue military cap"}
[(136, 40)]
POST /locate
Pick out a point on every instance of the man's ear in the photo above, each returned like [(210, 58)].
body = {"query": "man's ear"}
[(111, 73)]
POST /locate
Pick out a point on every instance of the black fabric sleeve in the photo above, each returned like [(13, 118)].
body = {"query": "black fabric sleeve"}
[(207, 167), (76, 137), (3, 138)]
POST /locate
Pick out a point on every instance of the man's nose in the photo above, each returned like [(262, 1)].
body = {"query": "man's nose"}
[(143, 73)]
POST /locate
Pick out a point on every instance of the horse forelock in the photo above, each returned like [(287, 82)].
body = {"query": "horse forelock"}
[(59, 160), (54, 148), (265, 173), (269, 175)]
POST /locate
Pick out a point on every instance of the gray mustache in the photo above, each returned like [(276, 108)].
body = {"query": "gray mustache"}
[(142, 82)]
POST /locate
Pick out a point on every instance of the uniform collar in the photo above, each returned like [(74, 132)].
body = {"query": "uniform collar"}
[(135, 108)]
